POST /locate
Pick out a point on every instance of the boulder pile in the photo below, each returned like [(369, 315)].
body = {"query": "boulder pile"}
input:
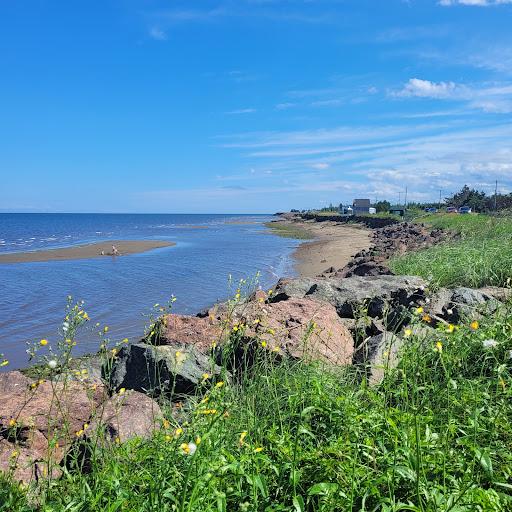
[(389, 241)]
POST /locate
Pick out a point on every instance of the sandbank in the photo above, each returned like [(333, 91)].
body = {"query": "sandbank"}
[(86, 251)]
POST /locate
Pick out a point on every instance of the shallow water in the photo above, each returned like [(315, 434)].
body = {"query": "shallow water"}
[(119, 291)]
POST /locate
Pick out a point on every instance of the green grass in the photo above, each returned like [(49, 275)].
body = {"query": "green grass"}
[(436, 435), (482, 255), (288, 230)]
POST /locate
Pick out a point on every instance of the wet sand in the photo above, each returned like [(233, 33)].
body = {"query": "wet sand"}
[(334, 245), (79, 252)]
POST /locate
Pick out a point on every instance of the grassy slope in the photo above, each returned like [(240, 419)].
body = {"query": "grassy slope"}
[(482, 256), (435, 436)]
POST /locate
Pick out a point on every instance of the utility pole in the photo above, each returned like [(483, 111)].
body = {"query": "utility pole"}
[(399, 198), (440, 199), (405, 200), (496, 196)]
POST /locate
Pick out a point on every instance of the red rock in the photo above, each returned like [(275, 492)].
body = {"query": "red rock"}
[(125, 416), (38, 421), (303, 328), (189, 330)]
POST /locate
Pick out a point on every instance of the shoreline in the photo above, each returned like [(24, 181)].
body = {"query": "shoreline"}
[(329, 244), (86, 251)]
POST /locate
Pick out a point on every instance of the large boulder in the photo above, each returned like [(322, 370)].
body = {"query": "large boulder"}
[(161, 369), (375, 295), (39, 421), (305, 329), (378, 354)]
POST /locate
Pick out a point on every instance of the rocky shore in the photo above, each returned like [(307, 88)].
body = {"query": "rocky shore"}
[(353, 314)]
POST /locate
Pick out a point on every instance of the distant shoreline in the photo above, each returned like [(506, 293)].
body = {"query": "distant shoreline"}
[(86, 251)]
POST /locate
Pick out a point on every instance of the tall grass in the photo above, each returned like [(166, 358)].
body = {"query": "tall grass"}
[(435, 435), (482, 255)]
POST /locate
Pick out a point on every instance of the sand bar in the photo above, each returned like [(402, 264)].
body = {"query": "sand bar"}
[(78, 252), (333, 245)]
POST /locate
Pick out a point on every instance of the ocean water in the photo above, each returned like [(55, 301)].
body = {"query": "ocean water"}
[(119, 292)]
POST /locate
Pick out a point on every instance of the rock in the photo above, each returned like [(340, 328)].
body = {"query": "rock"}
[(126, 416), (378, 354), (39, 420), (365, 268), (497, 292), (376, 295), (182, 330), (304, 329), (460, 303), (439, 303), (167, 369)]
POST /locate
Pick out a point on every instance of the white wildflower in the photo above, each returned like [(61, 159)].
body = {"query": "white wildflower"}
[(52, 363), (489, 343)]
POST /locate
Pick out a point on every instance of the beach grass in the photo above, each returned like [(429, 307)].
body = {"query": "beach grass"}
[(480, 255), (435, 435), (289, 230)]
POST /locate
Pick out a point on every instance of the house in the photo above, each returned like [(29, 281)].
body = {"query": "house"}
[(361, 206)]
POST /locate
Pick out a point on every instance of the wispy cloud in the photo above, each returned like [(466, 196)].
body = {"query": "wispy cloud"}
[(477, 3), (242, 111), (491, 98)]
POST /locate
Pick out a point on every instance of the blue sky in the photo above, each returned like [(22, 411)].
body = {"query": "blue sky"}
[(250, 105)]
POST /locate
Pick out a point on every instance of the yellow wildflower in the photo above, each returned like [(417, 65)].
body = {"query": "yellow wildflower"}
[(474, 325), (125, 340), (263, 343), (219, 384), (450, 328), (439, 347), (256, 321), (4, 363), (178, 432), (271, 332), (426, 318), (14, 454), (206, 376), (117, 440), (12, 422), (78, 433), (168, 437), (198, 440), (258, 449), (114, 351), (407, 332), (105, 329), (122, 391), (419, 310), (43, 343), (243, 435), (166, 424)]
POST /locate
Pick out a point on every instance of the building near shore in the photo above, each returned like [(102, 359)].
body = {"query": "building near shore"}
[(361, 206)]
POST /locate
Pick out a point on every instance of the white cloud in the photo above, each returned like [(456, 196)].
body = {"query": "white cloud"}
[(489, 98), (478, 3), (428, 89)]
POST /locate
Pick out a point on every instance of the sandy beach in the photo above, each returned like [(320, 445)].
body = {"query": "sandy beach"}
[(333, 245), (86, 251)]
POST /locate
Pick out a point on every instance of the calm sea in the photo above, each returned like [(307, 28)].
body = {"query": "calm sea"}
[(119, 292)]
